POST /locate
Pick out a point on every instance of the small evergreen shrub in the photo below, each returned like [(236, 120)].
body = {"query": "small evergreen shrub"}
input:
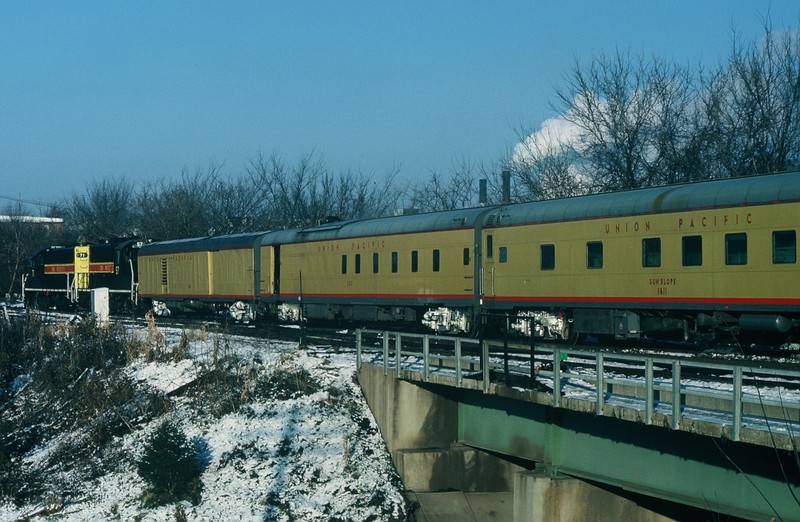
[(170, 465)]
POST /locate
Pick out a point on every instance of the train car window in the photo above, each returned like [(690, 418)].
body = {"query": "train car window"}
[(503, 254), (344, 263), (736, 249), (375, 263), (394, 262), (651, 252), (436, 260), (784, 247), (692, 247), (548, 257), (415, 261), (594, 254), (358, 264), (489, 246), (466, 256)]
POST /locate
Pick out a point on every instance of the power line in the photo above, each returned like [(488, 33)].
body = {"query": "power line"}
[(28, 202)]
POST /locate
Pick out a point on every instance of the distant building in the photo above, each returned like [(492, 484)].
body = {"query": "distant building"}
[(54, 224)]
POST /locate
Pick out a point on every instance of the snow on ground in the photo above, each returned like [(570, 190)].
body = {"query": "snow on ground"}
[(312, 456)]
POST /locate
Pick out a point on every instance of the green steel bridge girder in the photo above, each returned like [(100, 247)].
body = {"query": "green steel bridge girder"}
[(738, 479)]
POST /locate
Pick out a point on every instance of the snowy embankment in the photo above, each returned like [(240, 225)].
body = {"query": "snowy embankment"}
[(294, 441)]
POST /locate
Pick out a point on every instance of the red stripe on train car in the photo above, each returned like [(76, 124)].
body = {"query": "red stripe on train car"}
[(196, 296), (373, 296), (59, 269), (654, 300)]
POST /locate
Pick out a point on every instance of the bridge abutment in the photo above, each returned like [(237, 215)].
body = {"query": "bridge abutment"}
[(410, 416)]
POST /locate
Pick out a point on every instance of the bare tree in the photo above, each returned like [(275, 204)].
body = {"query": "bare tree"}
[(308, 192), (351, 195), (232, 207), (440, 192), (106, 210), (19, 238), (542, 166), (285, 191), (750, 109), (200, 203), (631, 114), (675, 90)]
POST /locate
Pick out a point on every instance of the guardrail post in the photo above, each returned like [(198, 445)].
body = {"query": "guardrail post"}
[(385, 353), (737, 402), (556, 378), (358, 350), (398, 354), (458, 362), (676, 395), (505, 351), (426, 351), (485, 365), (648, 379), (533, 360), (600, 383)]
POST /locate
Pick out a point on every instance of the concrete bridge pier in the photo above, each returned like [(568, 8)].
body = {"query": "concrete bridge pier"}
[(540, 497)]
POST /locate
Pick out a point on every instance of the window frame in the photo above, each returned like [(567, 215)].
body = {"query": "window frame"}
[(691, 256), (651, 255), (735, 255), (784, 254), (592, 258), (547, 252)]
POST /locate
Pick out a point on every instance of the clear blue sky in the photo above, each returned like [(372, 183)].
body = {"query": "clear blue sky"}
[(143, 89)]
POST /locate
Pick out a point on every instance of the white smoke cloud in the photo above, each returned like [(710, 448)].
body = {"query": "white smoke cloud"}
[(555, 136)]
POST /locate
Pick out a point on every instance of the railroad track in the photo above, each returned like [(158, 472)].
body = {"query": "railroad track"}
[(342, 339)]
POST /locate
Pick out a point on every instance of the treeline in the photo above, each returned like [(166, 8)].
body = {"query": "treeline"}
[(269, 194), (624, 122)]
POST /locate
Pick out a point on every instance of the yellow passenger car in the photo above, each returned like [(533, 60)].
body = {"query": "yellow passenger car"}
[(376, 270), (669, 258), (222, 273)]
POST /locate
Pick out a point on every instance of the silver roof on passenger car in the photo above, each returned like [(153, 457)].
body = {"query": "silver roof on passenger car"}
[(733, 192), (201, 244), (447, 220)]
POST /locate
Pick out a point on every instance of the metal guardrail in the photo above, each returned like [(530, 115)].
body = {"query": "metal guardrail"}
[(739, 395)]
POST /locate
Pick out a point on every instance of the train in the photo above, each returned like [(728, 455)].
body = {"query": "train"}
[(696, 261)]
